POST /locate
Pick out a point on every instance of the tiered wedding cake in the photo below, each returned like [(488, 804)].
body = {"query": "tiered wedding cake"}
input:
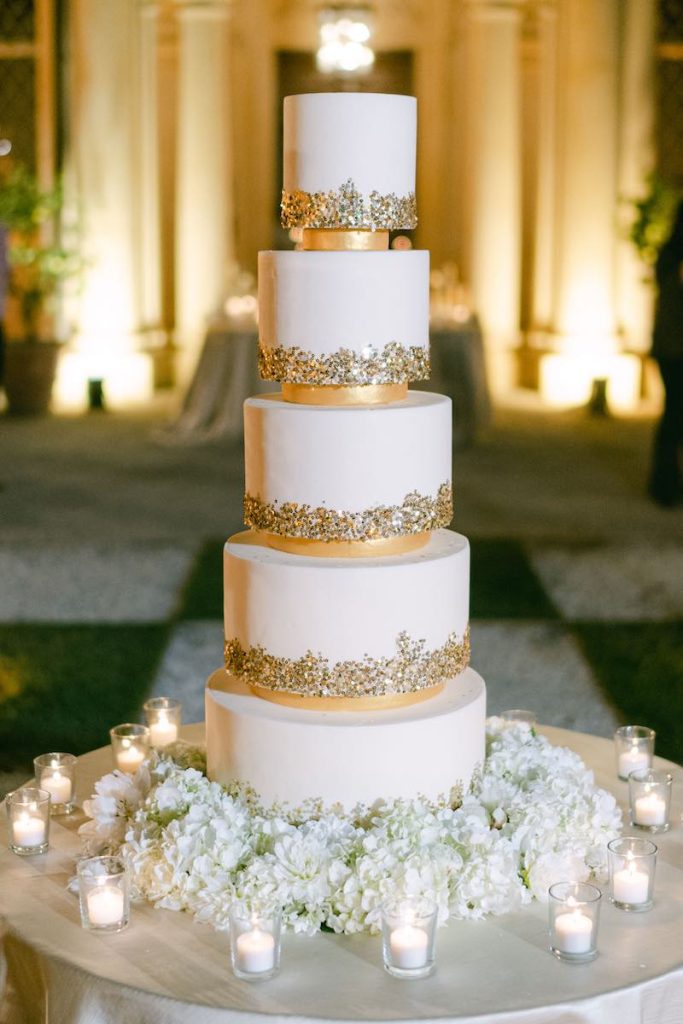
[(346, 603)]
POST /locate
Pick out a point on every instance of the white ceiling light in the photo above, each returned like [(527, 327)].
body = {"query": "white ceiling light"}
[(344, 40)]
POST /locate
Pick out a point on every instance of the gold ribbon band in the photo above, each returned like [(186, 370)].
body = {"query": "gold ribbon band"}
[(340, 240), (383, 703), (379, 548), (343, 394)]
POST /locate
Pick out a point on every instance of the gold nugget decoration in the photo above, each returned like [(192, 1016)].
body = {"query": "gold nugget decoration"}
[(411, 669), (417, 513), (347, 207), (391, 364)]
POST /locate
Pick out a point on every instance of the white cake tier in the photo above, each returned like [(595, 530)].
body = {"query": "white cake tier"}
[(289, 755), (365, 141), (344, 317), (348, 473), (341, 627)]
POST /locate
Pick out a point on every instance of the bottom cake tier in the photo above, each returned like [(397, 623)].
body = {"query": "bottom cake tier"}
[(289, 755)]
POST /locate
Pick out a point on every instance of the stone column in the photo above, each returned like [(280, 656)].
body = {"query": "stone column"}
[(495, 179), (103, 171), (150, 210), (544, 206), (636, 162), (587, 163), (204, 207)]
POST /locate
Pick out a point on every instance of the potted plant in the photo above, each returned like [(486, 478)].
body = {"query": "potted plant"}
[(38, 264)]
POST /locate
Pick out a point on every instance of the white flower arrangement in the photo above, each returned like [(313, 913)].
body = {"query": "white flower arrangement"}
[(533, 816)]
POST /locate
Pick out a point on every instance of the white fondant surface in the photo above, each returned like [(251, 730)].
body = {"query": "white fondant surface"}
[(321, 302), (352, 757), (368, 137), (345, 608), (346, 458)]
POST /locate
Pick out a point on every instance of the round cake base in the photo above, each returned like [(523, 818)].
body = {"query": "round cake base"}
[(290, 755)]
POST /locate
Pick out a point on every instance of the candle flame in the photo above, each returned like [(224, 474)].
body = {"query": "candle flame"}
[(125, 744), (571, 902), (54, 763)]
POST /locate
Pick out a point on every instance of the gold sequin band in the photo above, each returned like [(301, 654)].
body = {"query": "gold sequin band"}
[(392, 364), (382, 548), (343, 240), (344, 394), (416, 514), (411, 670), (347, 207)]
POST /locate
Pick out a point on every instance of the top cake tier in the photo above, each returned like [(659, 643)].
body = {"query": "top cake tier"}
[(349, 161)]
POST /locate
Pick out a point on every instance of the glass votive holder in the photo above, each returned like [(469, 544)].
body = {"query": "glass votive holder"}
[(28, 813), (55, 773), (631, 872), (162, 715), (635, 747), (518, 716), (104, 894), (408, 936), (650, 798), (130, 746), (574, 909), (255, 941)]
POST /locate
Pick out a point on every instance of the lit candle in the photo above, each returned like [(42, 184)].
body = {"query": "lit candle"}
[(633, 760), (573, 932), (105, 905), (129, 758), (649, 809), (28, 830), (630, 885), (58, 786), (408, 946), (162, 732), (255, 951)]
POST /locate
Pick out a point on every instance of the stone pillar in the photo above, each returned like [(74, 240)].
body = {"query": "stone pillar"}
[(102, 170), (102, 159), (150, 210), (587, 162), (544, 205), (495, 179), (636, 162), (204, 207)]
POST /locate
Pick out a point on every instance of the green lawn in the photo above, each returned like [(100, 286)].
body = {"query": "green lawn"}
[(63, 687)]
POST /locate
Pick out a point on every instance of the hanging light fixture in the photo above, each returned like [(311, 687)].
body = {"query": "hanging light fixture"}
[(345, 33)]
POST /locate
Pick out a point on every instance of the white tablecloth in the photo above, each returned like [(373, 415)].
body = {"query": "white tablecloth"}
[(166, 969)]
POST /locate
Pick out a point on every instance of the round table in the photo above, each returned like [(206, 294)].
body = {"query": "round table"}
[(168, 969)]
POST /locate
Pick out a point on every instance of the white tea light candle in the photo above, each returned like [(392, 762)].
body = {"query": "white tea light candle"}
[(58, 786), (649, 809), (105, 905), (630, 885), (631, 862), (162, 732), (635, 745), (163, 716), (409, 946), (408, 933), (103, 893), (28, 830), (130, 746), (573, 909), (255, 951), (650, 799), (28, 819), (56, 774), (254, 941), (632, 760)]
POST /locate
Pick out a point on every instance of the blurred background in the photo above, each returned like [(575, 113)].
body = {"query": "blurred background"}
[(140, 173)]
